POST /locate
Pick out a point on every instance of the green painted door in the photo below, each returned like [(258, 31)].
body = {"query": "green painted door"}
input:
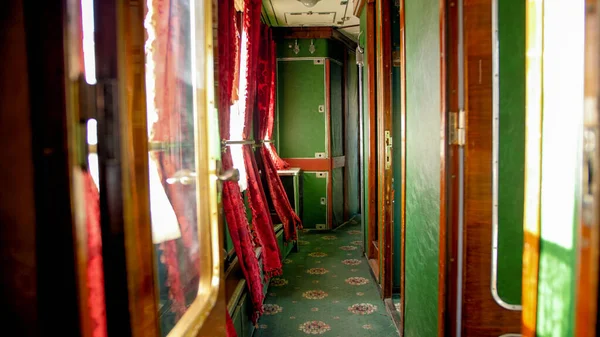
[(301, 105), (314, 210)]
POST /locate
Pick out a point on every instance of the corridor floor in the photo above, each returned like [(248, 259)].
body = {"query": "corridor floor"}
[(326, 289)]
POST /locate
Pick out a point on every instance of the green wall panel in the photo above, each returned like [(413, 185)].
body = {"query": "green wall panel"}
[(315, 188), (511, 150), (301, 89), (423, 167), (335, 101), (352, 133), (337, 178), (323, 48)]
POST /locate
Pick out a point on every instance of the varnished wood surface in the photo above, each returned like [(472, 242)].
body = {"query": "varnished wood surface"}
[(384, 123), (18, 279), (371, 89), (452, 166), (111, 186), (481, 315), (588, 241), (138, 237), (54, 232)]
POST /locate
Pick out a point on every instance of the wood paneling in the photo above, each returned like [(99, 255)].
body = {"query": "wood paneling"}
[(372, 113), (481, 315), (588, 243), (138, 238), (384, 123), (452, 182), (18, 280), (54, 232)]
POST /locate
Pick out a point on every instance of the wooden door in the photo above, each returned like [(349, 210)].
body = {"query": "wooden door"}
[(158, 151), (486, 160)]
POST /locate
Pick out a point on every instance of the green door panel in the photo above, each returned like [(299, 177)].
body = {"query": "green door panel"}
[(335, 101), (352, 151), (511, 149), (422, 167), (301, 90), (337, 180), (315, 188)]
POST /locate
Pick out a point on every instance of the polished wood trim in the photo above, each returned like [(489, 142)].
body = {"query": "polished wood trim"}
[(371, 89), (588, 243), (19, 265), (52, 278), (481, 315), (385, 122), (310, 164), (452, 183), (533, 153), (358, 6), (444, 162), (402, 163), (139, 248), (338, 162)]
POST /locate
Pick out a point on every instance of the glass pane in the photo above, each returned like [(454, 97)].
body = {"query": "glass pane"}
[(172, 156)]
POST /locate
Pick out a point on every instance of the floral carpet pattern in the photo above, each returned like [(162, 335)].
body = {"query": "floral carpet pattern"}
[(326, 289)]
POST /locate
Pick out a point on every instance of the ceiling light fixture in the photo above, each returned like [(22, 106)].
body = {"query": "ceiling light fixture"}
[(309, 3)]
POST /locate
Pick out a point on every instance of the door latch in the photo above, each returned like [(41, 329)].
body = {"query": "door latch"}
[(388, 150)]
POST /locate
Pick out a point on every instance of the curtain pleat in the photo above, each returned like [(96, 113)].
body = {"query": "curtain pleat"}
[(233, 204), (266, 78)]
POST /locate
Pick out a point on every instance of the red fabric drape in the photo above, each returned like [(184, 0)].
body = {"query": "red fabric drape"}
[(233, 204), (266, 109), (230, 328), (95, 272), (261, 217), (167, 53)]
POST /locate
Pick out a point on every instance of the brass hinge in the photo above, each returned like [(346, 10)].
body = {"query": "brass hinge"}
[(456, 132)]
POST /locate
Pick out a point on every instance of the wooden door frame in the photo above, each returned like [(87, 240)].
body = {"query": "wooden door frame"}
[(586, 307), (371, 90), (131, 303), (449, 244), (385, 190)]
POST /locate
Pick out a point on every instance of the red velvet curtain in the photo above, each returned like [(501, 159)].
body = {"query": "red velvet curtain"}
[(266, 78), (261, 217), (95, 272), (233, 205)]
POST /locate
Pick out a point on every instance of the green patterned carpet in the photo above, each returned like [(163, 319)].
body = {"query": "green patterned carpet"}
[(326, 289)]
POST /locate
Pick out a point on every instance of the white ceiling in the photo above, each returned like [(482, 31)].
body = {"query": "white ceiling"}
[(292, 13)]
